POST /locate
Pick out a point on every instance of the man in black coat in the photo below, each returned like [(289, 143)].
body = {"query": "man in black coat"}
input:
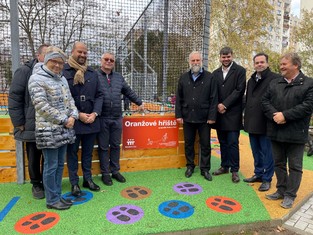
[(288, 105), (88, 95), (255, 122), (196, 102), (231, 82), (22, 114)]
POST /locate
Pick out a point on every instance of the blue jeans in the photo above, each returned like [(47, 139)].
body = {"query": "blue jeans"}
[(263, 157), (87, 143), (109, 138), (52, 173), (229, 146)]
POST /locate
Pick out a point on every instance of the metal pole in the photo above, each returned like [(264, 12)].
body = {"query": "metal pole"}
[(206, 35), (145, 53), (165, 49), (15, 46)]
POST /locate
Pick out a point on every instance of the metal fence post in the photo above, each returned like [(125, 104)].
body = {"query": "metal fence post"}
[(15, 64)]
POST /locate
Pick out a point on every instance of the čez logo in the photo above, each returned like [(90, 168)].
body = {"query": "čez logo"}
[(130, 142)]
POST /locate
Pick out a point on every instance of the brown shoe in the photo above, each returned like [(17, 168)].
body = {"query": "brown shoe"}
[(220, 171), (235, 177)]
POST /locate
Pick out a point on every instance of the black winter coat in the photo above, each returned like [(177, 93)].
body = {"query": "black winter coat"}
[(21, 109), (196, 101), (88, 98), (254, 118), (295, 101), (113, 91), (230, 93)]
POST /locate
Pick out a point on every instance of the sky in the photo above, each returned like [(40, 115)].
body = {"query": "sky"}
[(295, 7)]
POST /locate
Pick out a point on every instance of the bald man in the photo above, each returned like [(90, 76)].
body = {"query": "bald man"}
[(86, 90)]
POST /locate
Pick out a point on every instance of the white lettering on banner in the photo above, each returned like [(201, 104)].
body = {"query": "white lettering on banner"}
[(130, 142), (153, 123), (167, 123)]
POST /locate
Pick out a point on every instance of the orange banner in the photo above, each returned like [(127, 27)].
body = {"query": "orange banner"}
[(150, 132)]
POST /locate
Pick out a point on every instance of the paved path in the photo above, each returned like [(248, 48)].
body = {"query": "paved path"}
[(302, 220)]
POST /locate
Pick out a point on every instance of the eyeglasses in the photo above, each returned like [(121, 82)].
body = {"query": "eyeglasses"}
[(108, 59), (56, 62)]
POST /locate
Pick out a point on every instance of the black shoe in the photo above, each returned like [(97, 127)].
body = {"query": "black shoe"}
[(38, 192), (207, 175), (235, 177), (265, 186), (220, 171), (76, 190), (91, 185), (66, 201), (59, 206), (252, 179), (310, 152), (119, 177), (188, 172), (106, 179), (274, 196)]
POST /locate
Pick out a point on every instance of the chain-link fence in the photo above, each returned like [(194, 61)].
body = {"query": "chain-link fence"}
[(151, 39)]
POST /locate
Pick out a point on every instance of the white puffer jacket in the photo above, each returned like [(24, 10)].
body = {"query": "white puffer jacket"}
[(53, 104)]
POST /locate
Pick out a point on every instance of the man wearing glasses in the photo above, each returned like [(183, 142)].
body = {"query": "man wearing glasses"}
[(109, 137), (88, 95)]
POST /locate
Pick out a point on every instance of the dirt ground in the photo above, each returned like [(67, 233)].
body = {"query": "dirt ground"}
[(277, 230)]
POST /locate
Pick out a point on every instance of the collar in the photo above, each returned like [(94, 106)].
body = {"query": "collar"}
[(226, 69), (200, 72)]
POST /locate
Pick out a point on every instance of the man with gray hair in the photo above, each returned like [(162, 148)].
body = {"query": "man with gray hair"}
[(195, 108), (288, 105), (109, 138)]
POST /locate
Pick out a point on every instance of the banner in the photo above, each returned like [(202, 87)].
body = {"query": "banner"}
[(149, 132)]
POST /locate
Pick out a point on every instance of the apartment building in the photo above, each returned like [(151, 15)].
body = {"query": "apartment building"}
[(279, 30)]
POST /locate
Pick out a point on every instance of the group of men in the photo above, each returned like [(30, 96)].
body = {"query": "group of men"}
[(277, 109), (276, 116), (97, 96)]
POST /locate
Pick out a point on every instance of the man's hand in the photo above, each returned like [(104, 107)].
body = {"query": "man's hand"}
[(180, 120), (91, 118), (211, 121), (279, 118), (221, 108), (22, 128)]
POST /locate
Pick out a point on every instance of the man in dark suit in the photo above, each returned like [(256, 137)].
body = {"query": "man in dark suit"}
[(196, 102), (231, 80), (255, 122), (88, 94)]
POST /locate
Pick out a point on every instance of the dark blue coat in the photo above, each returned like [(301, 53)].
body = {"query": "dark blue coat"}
[(88, 98), (112, 103)]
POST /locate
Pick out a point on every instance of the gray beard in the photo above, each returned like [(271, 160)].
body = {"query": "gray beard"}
[(195, 68)]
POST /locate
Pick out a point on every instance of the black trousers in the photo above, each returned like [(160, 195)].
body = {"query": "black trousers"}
[(34, 157), (204, 131), (288, 182)]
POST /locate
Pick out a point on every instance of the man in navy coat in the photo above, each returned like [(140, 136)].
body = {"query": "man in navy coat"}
[(88, 95), (255, 122), (231, 80)]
